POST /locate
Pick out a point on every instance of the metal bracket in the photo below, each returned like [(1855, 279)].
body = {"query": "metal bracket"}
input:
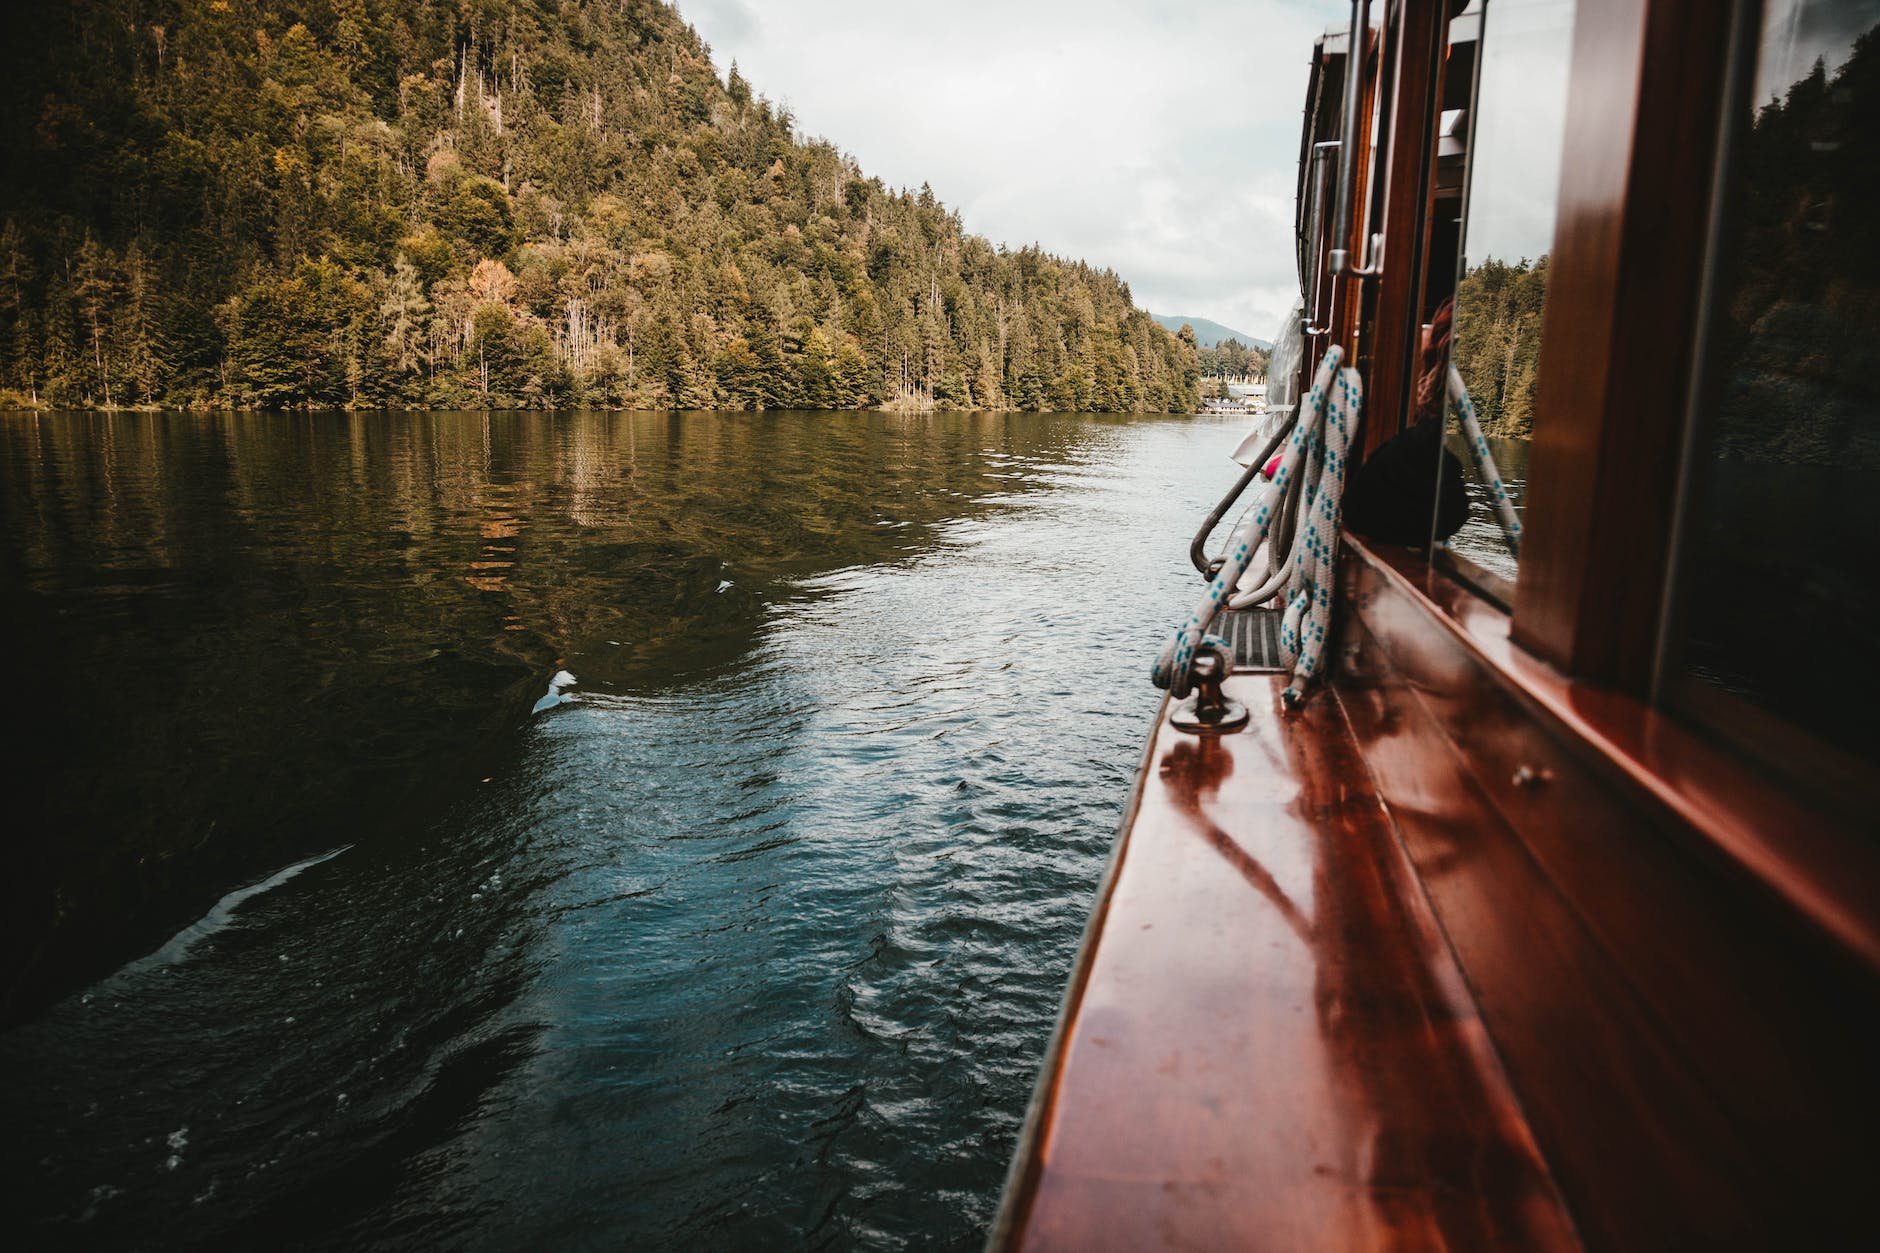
[(1340, 260), (1372, 266), (1209, 711)]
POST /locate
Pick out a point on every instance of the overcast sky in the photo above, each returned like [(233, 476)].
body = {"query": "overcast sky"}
[(1155, 138)]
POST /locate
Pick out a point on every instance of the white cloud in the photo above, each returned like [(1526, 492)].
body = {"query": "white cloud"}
[(1158, 140), (1514, 179)]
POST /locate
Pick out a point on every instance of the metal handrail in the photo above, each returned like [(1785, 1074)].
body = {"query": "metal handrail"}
[(1197, 548), (1373, 262), (1320, 151)]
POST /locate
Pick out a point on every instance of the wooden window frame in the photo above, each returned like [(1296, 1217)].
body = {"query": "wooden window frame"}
[(1838, 780), (1610, 429), (1648, 127), (1647, 82)]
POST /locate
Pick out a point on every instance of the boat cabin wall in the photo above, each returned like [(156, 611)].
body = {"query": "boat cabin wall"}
[(1632, 271), (1782, 877)]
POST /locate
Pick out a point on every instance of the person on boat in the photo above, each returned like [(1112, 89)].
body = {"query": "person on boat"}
[(1392, 496)]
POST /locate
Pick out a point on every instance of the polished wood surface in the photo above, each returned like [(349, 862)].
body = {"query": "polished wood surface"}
[(1676, 961), (1465, 954), (1643, 109), (1822, 871), (1478, 950), (1269, 1045)]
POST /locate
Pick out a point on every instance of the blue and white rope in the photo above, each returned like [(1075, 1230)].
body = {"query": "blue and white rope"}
[(1485, 464), (1307, 624), (1315, 462)]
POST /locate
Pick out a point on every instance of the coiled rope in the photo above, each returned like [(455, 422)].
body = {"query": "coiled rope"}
[(1312, 470), (1485, 464)]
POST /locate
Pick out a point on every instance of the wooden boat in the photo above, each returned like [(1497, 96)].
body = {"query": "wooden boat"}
[(1551, 917)]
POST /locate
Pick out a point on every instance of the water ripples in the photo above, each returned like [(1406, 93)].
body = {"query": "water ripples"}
[(761, 956)]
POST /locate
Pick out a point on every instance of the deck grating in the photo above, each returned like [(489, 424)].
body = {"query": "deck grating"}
[(1254, 633)]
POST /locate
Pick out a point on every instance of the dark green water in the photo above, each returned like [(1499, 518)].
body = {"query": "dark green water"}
[(1480, 538), (335, 920)]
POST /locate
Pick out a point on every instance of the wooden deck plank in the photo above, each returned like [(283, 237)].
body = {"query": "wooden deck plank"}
[(1691, 1044), (1272, 1047)]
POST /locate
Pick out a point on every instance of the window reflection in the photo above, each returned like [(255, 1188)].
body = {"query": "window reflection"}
[(1779, 604), (1516, 129)]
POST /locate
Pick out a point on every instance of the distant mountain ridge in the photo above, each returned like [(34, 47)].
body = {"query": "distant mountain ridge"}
[(1210, 334)]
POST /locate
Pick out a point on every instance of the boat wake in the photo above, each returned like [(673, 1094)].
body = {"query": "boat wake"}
[(557, 692), (220, 917)]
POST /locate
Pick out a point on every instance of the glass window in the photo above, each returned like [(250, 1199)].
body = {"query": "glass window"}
[(1778, 612), (1514, 131)]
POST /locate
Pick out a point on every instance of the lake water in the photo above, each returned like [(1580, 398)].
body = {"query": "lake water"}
[(1481, 539), (577, 831)]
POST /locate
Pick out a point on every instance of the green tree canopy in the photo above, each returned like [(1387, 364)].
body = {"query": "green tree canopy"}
[(250, 202)]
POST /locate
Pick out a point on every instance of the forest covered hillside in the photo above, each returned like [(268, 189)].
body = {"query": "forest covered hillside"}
[(1497, 347), (487, 203)]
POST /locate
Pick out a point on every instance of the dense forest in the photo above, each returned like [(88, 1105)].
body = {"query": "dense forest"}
[(1231, 359), (1497, 347), (486, 203), (1797, 364), (1796, 345)]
